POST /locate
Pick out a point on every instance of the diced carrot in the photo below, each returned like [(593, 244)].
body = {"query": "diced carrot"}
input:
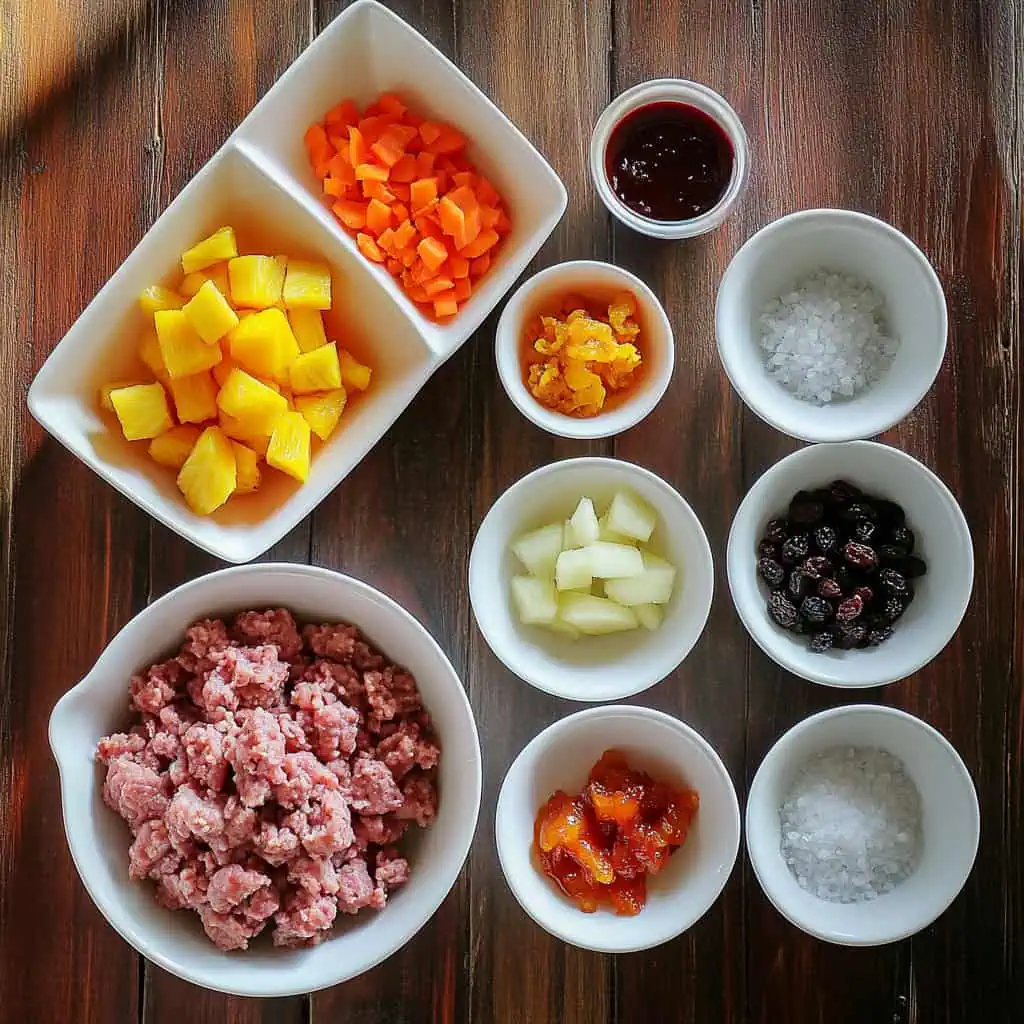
[(400, 190), (448, 140), (335, 187), (404, 168), (339, 139), (322, 168), (424, 164), (401, 212), (317, 145), (428, 228), (489, 216), (421, 192), (391, 104), (371, 172), (369, 248), (446, 304), (373, 127), (341, 115), (430, 131), (388, 149), (485, 192), (464, 197), (420, 273), (453, 220), (340, 168), (459, 266), (504, 225), (447, 164), (377, 190), (441, 177), (464, 179), (437, 285), (386, 239), (472, 231), (394, 266), (352, 214), (356, 147), (404, 234), (408, 256), (417, 293), (433, 252), (480, 266), (378, 216), (463, 289), (483, 242)]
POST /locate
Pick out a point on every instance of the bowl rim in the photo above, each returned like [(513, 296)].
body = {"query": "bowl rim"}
[(692, 520), (633, 409), (80, 848), (526, 759), (776, 755), (839, 219), (762, 631)]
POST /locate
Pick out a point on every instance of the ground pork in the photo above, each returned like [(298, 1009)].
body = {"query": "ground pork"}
[(267, 775)]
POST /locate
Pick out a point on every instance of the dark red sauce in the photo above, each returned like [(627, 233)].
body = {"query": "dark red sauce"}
[(669, 161)]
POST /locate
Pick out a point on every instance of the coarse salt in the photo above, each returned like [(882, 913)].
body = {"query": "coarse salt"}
[(825, 338), (851, 825)]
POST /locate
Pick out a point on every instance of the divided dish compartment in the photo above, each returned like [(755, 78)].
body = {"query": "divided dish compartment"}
[(365, 51), (233, 188)]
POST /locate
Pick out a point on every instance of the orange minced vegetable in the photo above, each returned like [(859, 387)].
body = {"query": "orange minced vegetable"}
[(576, 357), (404, 187), (599, 847)]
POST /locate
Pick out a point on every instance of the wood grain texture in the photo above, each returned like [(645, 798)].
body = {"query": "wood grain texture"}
[(910, 111)]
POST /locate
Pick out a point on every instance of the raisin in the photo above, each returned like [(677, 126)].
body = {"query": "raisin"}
[(816, 566), (804, 509), (842, 492), (776, 531), (914, 567), (903, 536), (843, 580), (892, 610), (766, 549), (799, 583), (771, 572), (860, 555), (815, 609), (878, 636), (850, 637), (865, 593), (864, 530), (795, 549), (826, 539), (829, 589), (849, 609), (892, 582), (858, 510), (781, 609), (821, 642), (889, 512), (891, 553)]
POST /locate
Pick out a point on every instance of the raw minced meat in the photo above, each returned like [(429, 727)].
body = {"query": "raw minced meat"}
[(269, 773)]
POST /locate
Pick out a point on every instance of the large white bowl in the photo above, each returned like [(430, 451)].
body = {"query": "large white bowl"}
[(771, 261), (261, 182), (99, 840), (943, 541), (561, 758), (950, 823), (592, 668)]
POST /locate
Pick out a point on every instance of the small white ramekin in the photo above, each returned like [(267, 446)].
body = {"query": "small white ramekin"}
[(670, 90)]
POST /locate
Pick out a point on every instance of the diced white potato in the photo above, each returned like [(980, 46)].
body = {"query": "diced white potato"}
[(584, 523), (595, 615), (650, 615), (652, 586), (539, 549), (572, 570), (613, 561), (632, 516), (558, 626), (535, 600), (610, 535)]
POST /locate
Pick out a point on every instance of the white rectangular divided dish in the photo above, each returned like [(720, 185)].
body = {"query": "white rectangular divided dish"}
[(260, 182)]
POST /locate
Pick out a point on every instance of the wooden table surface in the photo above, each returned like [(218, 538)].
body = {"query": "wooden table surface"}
[(911, 111)]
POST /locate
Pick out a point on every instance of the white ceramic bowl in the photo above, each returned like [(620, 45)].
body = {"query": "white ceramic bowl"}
[(670, 90), (950, 823), (99, 840), (592, 280), (561, 758), (770, 262), (592, 668), (943, 541), (261, 182)]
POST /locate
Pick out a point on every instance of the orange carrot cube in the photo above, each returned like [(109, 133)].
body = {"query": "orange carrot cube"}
[(341, 115), (480, 266), (369, 248), (433, 252), (484, 241), (437, 285), (430, 131), (459, 266), (446, 304), (351, 213), (453, 220), (404, 169), (463, 289), (422, 192), (371, 172), (356, 147)]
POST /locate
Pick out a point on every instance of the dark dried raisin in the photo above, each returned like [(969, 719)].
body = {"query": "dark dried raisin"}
[(826, 539), (864, 530), (851, 636), (889, 512), (914, 567), (799, 584), (858, 510), (771, 572), (892, 581), (816, 566), (879, 636), (766, 549), (776, 531), (795, 549), (903, 536), (781, 609), (815, 609), (893, 553), (843, 579), (849, 609), (821, 642), (865, 593), (829, 589), (893, 609), (843, 492), (860, 555), (804, 509)]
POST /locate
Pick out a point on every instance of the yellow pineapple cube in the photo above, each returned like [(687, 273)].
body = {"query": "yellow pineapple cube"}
[(208, 477), (114, 385), (218, 247), (210, 314), (256, 281), (318, 370), (195, 397), (353, 373), (251, 401), (289, 446), (241, 432), (308, 328), (264, 344), (142, 410), (223, 369), (218, 274), (322, 412), (149, 353), (156, 296), (307, 285), (172, 447), (183, 351), (247, 469)]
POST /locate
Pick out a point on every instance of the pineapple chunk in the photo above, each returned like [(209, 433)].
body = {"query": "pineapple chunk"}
[(142, 410), (353, 373), (149, 353), (114, 385), (247, 399), (318, 370), (289, 446), (223, 369), (172, 447), (264, 344), (156, 297), (256, 281), (191, 283), (208, 477), (210, 314), (247, 469), (195, 398), (240, 431), (308, 328), (183, 351), (218, 247), (322, 412), (307, 285)]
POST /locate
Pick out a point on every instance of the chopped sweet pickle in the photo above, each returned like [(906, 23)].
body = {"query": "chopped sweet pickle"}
[(573, 359), (599, 846)]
